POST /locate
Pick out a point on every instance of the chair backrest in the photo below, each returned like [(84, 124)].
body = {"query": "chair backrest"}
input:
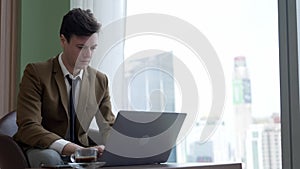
[(11, 154), (8, 124)]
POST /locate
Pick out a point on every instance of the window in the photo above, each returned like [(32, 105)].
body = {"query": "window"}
[(246, 43)]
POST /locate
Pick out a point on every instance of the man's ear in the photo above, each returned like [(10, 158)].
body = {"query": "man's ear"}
[(63, 40)]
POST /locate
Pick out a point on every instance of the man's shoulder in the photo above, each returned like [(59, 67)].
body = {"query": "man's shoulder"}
[(94, 72), (43, 67), (41, 64)]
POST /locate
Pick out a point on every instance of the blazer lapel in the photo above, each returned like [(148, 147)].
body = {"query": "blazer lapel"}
[(86, 96), (60, 81)]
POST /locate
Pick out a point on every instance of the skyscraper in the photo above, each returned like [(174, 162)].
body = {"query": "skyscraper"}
[(242, 105), (151, 84), (263, 146)]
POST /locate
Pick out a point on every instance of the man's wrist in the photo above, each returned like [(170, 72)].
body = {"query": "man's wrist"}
[(70, 148), (58, 145)]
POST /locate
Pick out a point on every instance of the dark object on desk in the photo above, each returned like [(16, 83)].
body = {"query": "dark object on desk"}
[(55, 166), (11, 154), (139, 137)]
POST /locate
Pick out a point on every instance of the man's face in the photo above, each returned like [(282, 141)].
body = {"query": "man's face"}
[(77, 53)]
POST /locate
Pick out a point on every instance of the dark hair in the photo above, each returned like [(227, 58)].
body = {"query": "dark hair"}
[(79, 22)]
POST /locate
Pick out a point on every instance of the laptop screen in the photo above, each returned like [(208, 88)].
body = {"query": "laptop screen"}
[(141, 137)]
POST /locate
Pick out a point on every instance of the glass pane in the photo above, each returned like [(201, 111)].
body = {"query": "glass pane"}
[(237, 53)]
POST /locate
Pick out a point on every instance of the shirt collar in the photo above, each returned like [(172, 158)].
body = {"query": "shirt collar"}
[(66, 72)]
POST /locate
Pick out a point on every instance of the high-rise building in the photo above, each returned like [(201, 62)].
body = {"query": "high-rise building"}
[(242, 105), (151, 84), (263, 146)]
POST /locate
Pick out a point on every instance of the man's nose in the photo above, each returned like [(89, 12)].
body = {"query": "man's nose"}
[(87, 52)]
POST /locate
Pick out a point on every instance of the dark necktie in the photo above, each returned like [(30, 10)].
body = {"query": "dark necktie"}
[(72, 112)]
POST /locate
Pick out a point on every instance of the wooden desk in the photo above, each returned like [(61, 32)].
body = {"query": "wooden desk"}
[(183, 166)]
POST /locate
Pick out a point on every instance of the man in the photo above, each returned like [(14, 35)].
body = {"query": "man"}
[(52, 124)]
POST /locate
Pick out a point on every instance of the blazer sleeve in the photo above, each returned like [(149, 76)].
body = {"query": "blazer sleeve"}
[(29, 105)]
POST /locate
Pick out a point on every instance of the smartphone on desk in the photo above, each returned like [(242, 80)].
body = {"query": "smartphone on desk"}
[(55, 166)]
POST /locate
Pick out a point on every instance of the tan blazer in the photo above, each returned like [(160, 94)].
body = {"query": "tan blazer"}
[(42, 108)]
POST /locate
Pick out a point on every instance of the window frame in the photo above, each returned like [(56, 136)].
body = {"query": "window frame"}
[(289, 83)]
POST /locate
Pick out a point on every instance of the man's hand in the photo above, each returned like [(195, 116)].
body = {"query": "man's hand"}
[(70, 149), (100, 149)]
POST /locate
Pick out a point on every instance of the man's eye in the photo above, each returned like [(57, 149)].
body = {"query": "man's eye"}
[(93, 47), (86, 47)]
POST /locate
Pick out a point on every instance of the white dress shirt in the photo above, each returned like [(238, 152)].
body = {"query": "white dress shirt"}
[(58, 145)]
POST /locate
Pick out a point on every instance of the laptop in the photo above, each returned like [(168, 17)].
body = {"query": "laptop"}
[(142, 137)]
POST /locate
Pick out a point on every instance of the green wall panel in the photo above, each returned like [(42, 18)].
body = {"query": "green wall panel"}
[(40, 23)]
